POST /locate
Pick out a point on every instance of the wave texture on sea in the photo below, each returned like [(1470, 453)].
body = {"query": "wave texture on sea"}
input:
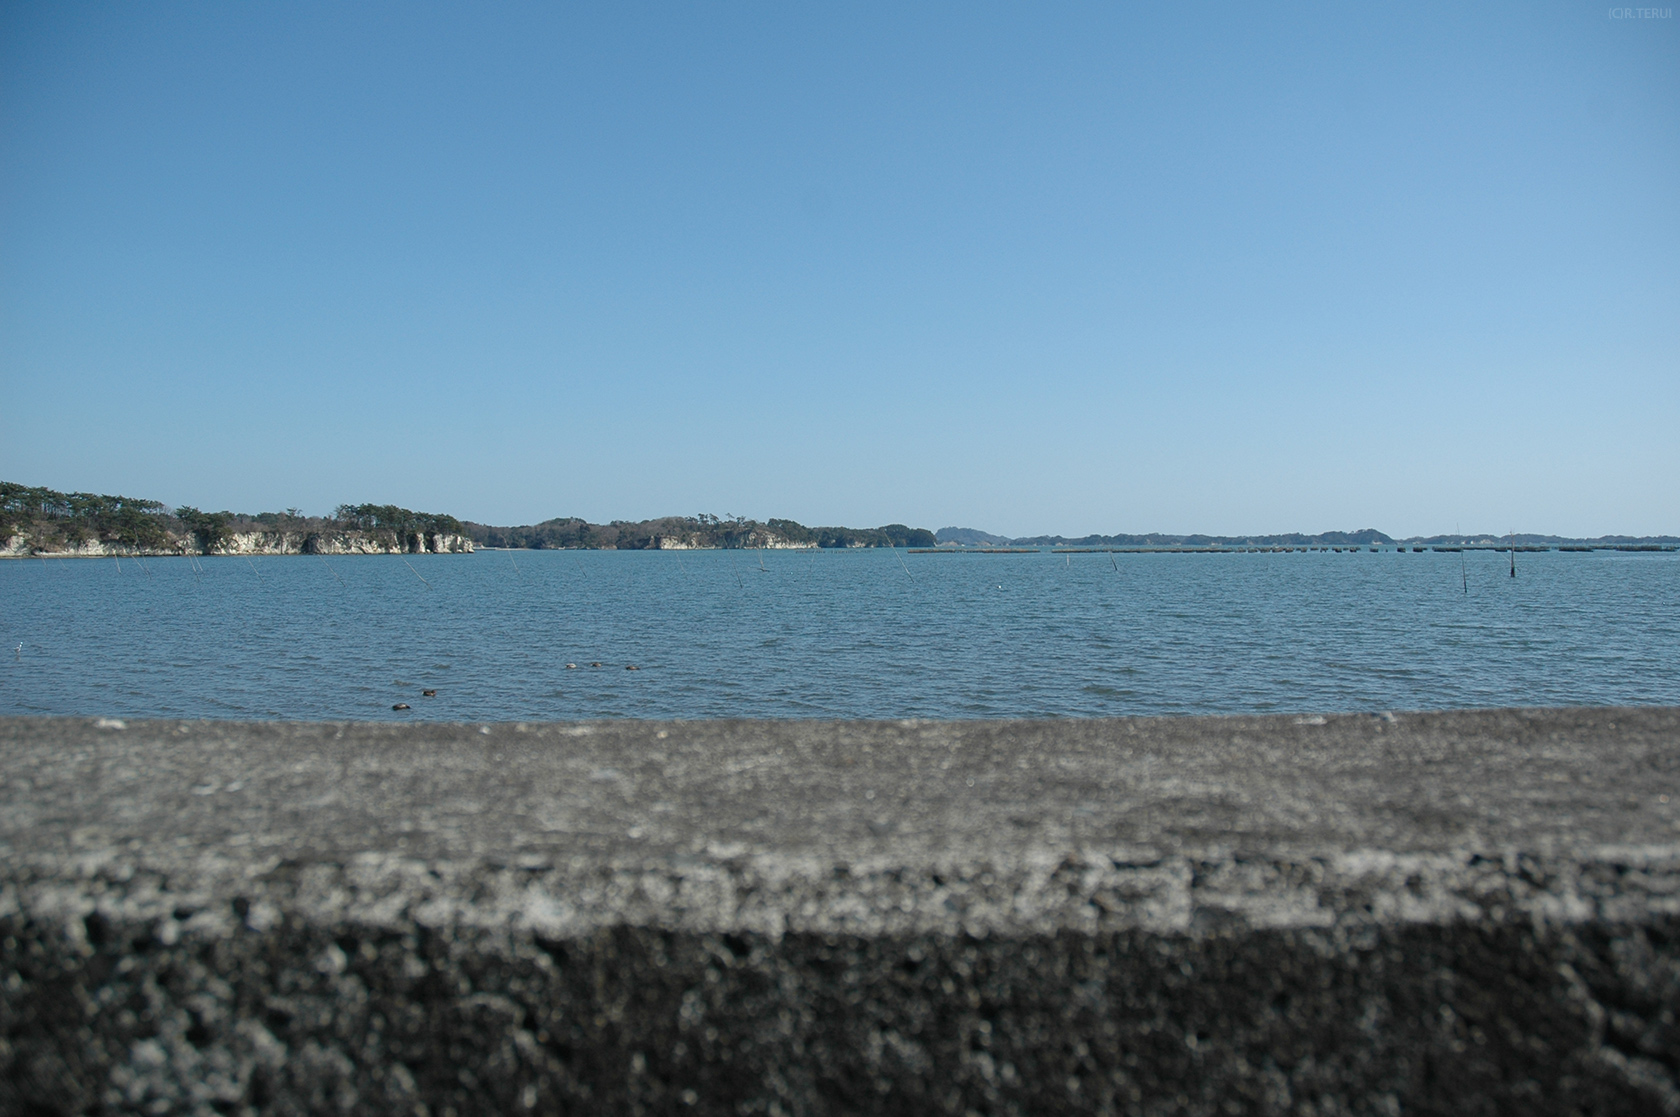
[(506, 636)]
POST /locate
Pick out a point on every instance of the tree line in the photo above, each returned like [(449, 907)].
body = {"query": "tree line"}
[(703, 530), (55, 520), (77, 517)]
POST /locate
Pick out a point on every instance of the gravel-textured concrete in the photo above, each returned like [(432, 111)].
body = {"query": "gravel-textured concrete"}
[(1473, 912)]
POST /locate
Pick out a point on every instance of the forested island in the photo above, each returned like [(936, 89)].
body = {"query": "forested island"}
[(680, 533), (40, 521)]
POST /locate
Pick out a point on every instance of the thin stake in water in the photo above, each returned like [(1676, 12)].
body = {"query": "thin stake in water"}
[(416, 573), (253, 567)]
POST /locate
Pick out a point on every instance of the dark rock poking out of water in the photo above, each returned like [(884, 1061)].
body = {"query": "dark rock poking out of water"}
[(1440, 913)]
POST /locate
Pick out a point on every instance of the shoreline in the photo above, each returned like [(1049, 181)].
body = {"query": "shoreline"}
[(466, 546), (255, 543)]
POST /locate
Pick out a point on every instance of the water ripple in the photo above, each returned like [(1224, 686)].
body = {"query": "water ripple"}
[(834, 634)]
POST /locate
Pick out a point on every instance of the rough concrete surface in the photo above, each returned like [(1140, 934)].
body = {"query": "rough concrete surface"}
[(1468, 912)]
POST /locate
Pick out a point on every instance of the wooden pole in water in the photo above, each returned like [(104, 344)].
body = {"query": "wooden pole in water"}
[(1513, 554), (405, 562)]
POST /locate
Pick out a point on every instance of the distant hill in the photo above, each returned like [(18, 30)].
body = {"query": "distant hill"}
[(968, 536), (1294, 539)]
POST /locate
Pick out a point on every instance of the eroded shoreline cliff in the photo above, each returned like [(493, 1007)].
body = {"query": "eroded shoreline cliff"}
[(278, 542)]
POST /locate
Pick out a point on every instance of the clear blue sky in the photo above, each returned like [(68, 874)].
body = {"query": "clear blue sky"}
[(1028, 268)]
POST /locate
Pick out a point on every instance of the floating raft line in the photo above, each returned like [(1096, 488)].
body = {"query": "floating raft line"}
[(974, 551), (1111, 550), (1399, 548)]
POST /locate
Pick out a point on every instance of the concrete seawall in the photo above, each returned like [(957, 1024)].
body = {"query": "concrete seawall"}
[(1469, 912)]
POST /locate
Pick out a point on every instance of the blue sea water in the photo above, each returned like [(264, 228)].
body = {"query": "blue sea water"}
[(833, 634)]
